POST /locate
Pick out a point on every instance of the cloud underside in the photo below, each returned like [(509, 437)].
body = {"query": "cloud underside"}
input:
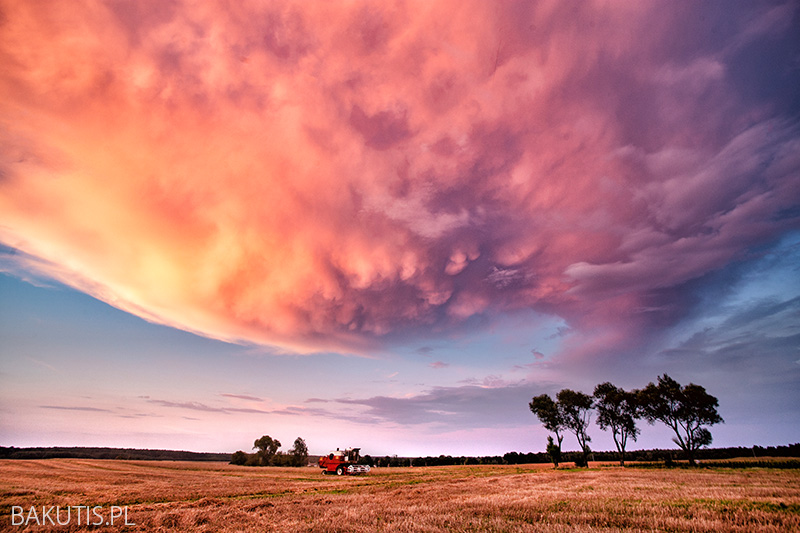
[(319, 177)]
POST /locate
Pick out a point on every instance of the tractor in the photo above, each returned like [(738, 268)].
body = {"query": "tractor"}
[(343, 462)]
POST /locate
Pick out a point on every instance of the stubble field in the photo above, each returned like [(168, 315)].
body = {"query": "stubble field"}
[(186, 496)]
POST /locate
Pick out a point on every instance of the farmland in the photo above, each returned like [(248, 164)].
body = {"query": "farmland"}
[(183, 496)]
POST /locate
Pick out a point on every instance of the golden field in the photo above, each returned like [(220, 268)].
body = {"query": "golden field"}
[(190, 496)]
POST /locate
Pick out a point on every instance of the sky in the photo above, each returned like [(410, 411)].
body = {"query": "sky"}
[(391, 224)]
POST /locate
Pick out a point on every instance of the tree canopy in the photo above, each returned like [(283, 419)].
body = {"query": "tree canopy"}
[(549, 414), (686, 410), (617, 410), (570, 411), (267, 447), (577, 412), (299, 452)]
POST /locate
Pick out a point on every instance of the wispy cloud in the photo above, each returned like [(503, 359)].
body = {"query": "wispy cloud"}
[(194, 406), (42, 364), (284, 410), (242, 397), (468, 406), (76, 408), (140, 415)]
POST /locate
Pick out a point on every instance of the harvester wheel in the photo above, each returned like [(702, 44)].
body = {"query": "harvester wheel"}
[(340, 470)]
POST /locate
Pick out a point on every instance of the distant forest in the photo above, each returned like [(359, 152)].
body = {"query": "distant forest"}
[(791, 450), (109, 453)]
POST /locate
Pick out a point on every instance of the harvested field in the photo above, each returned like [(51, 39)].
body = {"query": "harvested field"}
[(186, 496)]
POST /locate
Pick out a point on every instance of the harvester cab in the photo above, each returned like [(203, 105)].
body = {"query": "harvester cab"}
[(343, 462)]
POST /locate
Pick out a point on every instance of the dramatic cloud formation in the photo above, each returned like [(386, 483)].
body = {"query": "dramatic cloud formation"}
[(320, 176)]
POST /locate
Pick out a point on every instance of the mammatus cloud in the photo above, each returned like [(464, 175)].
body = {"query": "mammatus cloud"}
[(317, 177)]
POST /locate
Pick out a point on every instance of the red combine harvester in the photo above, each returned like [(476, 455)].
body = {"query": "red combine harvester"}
[(343, 462)]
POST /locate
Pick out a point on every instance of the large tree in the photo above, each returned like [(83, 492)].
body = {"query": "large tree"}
[(551, 417), (576, 408), (686, 410), (570, 411), (267, 447), (617, 410)]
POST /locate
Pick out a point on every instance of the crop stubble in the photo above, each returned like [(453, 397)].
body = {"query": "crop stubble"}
[(186, 496)]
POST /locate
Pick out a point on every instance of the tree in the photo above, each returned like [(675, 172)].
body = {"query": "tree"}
[(299, 452), (683, 409), (549, 414), (571, 411), (576, 409), (239, 458), (618, 410), (267, 447)]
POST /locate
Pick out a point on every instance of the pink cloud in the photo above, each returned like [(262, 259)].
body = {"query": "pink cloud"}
[(318, 177)]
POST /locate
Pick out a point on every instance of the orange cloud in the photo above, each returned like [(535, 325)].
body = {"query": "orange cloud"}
[(319, 176)]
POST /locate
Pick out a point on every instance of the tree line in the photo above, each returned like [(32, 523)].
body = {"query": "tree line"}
[(687, 410), (128, 454), (267, 454), (650, 456)]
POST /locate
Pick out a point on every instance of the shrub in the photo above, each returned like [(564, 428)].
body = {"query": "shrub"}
[(239, 458)]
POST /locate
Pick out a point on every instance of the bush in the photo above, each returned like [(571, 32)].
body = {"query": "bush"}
[(553, 451), (282, 459), (239, 458)]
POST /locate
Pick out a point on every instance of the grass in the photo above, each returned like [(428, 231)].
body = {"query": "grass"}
[(183, 496)]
